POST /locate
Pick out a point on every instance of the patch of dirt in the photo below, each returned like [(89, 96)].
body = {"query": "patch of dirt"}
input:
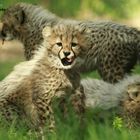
[(11, 50)]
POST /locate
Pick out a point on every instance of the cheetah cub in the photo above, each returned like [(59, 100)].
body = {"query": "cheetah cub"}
[(33, 85)]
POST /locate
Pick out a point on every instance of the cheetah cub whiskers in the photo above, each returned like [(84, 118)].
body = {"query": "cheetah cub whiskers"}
[(50, 74)]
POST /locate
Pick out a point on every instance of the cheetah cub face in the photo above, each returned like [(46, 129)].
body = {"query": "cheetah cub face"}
[(65, 45), (13, 21), (132, 104)]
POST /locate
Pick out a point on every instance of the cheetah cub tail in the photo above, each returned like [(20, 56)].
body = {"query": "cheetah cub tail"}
[(103, 95)]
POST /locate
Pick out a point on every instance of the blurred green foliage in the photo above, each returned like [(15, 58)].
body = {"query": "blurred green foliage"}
[(64, 7), (114, 9), (6, 3)]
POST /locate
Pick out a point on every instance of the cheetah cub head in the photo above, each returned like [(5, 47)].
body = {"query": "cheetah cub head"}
[(65, 44), (133, 91), (13, 23), (132, 103)]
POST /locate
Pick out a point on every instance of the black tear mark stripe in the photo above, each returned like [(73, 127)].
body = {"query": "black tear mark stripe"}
[(60, 51)]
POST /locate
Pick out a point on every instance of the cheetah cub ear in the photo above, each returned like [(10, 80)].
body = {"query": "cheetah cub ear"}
[(19, 16), (46, 32)]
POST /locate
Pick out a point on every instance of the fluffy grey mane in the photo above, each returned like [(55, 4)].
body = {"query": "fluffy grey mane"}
[(100, 94)]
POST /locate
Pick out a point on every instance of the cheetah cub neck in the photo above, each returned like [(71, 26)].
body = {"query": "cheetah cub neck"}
[(65, 45)]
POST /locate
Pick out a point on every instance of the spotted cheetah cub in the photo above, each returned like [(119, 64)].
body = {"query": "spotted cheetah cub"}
[(33, 85)]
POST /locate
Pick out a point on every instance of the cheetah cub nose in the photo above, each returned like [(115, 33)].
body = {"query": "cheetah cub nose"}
[(66, 53)]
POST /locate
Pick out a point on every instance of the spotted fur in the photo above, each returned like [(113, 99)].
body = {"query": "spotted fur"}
[(34, 84), (114, 49)]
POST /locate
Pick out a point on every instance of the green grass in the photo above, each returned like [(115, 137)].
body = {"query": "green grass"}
[(94, 127), (6, 67)]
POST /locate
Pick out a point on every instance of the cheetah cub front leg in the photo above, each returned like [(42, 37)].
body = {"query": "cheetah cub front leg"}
[(78, 101)]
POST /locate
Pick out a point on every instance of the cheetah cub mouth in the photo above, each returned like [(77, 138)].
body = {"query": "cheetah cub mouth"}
[(68, 57), (67, 61)]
